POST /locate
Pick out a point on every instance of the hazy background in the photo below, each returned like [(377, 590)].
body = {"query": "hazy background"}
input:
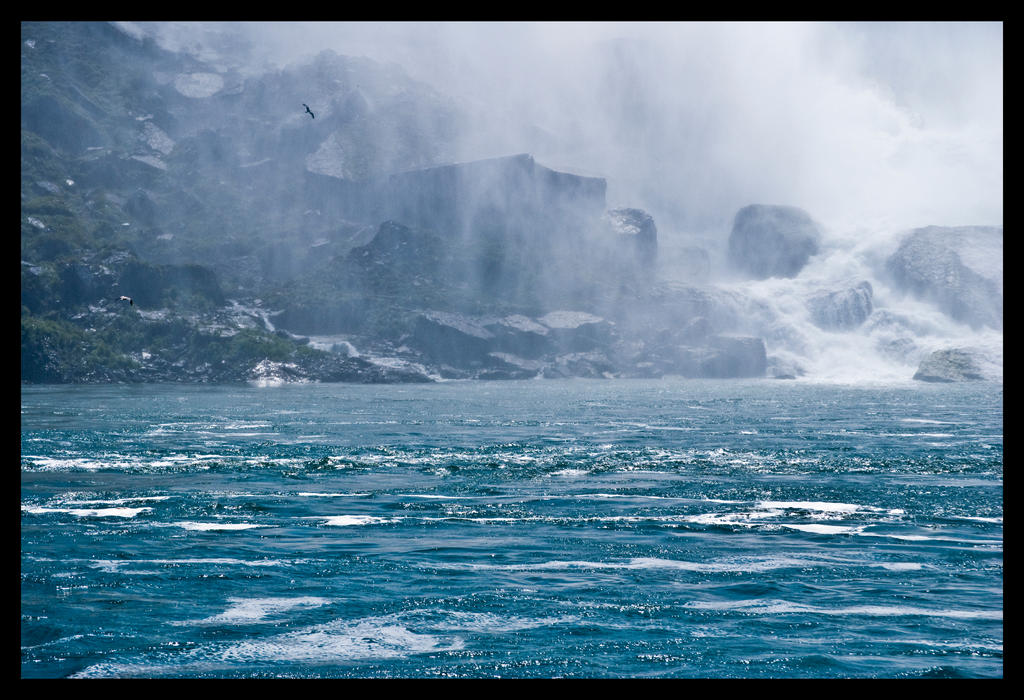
[(872, 128), (899, 124)]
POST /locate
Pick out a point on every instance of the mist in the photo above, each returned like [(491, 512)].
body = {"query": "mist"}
[(888, 137), (872, 128), (897, 123)]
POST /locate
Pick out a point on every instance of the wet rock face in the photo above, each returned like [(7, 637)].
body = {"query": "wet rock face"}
[(508, 195), (451, 338), (772, 241), (845, 309), (577, 331), (714, 357), (635, 232), (959, 269), (60, 124), (728, 356), (952, 365), (467, 342), (520, 336)]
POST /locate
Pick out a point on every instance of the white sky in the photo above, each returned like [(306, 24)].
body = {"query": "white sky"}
[(895, 122)]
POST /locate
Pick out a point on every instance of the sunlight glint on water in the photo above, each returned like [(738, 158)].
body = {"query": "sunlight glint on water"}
[(550, 528)]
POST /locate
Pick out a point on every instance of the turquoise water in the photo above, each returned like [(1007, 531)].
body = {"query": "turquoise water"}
[(577, 528)]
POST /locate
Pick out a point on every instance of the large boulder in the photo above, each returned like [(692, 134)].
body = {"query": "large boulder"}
[(733, 356), (577, 331), (950, 365), (714, 357), (476, 196), (772, 241), (672, 308), (842, 310), (592, 365), (634, 233), (519, 335), (452, 339), (959, 269), (509, 366)]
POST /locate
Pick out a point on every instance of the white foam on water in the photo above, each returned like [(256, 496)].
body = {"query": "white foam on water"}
[(819, 529), (192, 525), (314, 494), (254, 610), (656, 563), (968, 646), (976, 518), (369, 638), (88, 512), (570, 473), (72, 463), (466, 518), (637, 497), (782, 607), (930, 538), (350, 520), (385, 637), (720, 566), (139, 463), (744, 519), (901, 566), (931, 435), (439, 497), (811, 505), (114, 501), (107, 669), (766, 513), (117, 565), (242, 494), (62, 640), (478, 622)]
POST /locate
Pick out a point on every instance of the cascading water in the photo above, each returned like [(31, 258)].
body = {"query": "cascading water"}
[(886, 331)]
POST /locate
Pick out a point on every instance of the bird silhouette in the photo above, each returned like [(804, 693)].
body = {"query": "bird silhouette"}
[(309, 110), (128, 299)]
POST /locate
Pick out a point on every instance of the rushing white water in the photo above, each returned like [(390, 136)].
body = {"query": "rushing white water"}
[(892, 341)]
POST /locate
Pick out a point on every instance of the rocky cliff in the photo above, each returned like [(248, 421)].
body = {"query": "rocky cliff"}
[(247, 231)]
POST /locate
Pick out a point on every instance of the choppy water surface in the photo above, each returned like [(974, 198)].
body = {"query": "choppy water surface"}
[(545, 528)]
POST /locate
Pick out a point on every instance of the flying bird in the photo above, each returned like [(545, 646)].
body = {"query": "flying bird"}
[(128, 299), (309, 110)]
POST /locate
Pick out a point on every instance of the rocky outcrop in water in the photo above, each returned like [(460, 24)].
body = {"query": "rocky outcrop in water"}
[(728, 357), (520, 336), (577, 331), (452, 339), (951, 365), (576, 344)]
